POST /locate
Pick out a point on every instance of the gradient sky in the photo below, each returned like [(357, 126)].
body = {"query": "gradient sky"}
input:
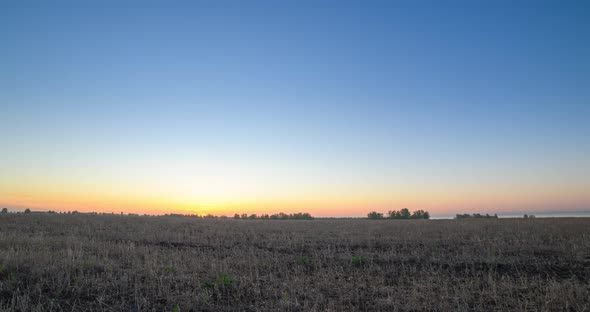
[(331, 107)]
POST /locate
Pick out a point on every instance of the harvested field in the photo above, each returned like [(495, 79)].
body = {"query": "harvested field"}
[(59, 262)]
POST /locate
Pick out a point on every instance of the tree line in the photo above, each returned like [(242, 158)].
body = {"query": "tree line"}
[(245, 216), (278, 216), (402, 214), (476, 216)]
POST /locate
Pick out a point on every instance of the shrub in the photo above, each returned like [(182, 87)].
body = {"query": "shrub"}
[(221, 281), (6, 274), (304, 260), (357, 261), (224, 280)]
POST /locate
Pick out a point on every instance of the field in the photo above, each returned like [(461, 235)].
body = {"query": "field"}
[(59, 262)]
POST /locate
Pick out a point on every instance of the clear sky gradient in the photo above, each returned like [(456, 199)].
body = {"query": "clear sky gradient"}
[(331, 107)]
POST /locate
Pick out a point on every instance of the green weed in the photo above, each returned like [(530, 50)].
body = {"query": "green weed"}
[(222, 281), (357, 261), (304, 260)]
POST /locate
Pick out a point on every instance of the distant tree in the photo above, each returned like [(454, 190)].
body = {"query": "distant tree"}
[(393, 214), (300, 216), (375, 215), (531, 216), (27, 210), (4, 210), (476, 216), (278, 216), (525, 216), (420, 214), (405, 213), (306, 216)]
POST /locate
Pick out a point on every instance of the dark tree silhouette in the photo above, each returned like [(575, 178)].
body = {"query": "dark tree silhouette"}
[(405, 214), (475, 216), (420, 214), (375, 215), (278, 216), (393, 214)]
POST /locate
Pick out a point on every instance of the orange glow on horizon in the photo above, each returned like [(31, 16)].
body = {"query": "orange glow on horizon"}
[(438, 203)]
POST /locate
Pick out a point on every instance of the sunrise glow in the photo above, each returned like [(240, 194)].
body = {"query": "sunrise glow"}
[(203, 109)]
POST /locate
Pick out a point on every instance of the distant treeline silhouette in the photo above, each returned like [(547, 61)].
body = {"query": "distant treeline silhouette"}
[(475, 215), (402, 214), (245, 216), (278, 216)]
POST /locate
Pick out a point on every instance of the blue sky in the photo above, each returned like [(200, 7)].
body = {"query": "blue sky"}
[(394, 100)]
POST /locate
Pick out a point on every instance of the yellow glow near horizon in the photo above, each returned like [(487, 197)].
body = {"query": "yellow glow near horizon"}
[(329, 204), (224, 188)]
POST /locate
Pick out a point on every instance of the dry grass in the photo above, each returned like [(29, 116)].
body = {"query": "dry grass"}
[(124, 263)]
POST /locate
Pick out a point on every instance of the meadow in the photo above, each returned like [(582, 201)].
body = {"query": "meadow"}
[(79, 262)]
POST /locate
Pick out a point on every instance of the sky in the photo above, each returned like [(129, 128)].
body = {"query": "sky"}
[(335, 108)]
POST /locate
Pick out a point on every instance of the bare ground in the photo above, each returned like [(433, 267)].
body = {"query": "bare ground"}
[(58, 262)]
